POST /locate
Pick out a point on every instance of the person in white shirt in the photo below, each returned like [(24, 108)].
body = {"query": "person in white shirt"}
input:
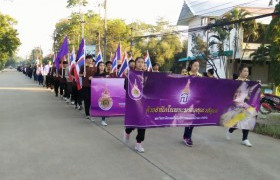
[(45, 72)]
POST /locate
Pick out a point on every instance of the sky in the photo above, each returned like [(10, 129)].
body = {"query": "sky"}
[(37, 18)]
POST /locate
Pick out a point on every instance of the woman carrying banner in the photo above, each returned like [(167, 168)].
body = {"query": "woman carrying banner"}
[(240, 114), (192, 70), (101, 73), (139, 66)]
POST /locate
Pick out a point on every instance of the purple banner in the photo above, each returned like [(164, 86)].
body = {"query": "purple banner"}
[(160, 99), (107, 97)]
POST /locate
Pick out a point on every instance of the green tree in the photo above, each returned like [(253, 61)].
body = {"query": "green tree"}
[(35, 54), (273, 35), (9, 40), (13, 61), (74, 3), (261, 55), (162, 49)]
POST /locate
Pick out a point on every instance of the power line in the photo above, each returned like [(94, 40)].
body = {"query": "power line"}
[(210, 26), (156, 35), (198, 25)]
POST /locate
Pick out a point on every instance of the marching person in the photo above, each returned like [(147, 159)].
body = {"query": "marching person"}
[(192, 70), (49, 76), (239, 103), (45, 72), (101, 72), (109, 66), (131, 64), (56, 80), (75, 92), (86, 74), (62, 79), (156, 67), (39, 74), (35, 73), (65, 81), (139, 66), (210, 73)]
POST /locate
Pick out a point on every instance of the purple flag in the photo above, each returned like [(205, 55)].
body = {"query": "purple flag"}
[(62, 53), (161, 99), (108, 97)]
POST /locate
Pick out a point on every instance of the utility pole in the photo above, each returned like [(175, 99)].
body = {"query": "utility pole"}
[(105, 30), (83, 31), (54, 41), (83, 25), (131, 30), (82, 18)]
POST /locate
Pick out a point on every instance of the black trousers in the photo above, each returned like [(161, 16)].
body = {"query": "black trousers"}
[(69, 89), (65, 89), (245, 133), (76, 95), (140, 134), (188, 132), (56, 86), (62, 89), (48, 81), (40, 79), (87, 98)]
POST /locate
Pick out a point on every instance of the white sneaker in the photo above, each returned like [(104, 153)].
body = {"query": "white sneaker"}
[(68, 101), (72, 102), (103, 123), (92, 119), (246, 143), (126, 137), (87, 117), (139, 148), (228, 134)]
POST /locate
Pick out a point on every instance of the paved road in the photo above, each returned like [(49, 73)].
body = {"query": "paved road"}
[(42, 138)]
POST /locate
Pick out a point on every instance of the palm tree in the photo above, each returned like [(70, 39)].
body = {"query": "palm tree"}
[(261, 54), (237, 14)]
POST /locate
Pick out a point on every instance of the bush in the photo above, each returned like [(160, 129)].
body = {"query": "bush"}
[(270, 130)]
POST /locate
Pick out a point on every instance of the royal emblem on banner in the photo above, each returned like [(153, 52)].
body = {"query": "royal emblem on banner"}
[(105, 102)]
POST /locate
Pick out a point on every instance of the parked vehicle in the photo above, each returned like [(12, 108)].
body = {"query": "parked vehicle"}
[(270, 103)]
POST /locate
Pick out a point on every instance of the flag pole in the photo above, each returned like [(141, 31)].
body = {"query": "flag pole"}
[(83, 37), (105, 30)]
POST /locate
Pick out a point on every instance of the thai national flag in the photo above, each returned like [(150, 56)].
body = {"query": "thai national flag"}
[(72, 63), (80, 61), (116, 58), (124, 67), (99, 58), (148, 62), (114, 64)]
